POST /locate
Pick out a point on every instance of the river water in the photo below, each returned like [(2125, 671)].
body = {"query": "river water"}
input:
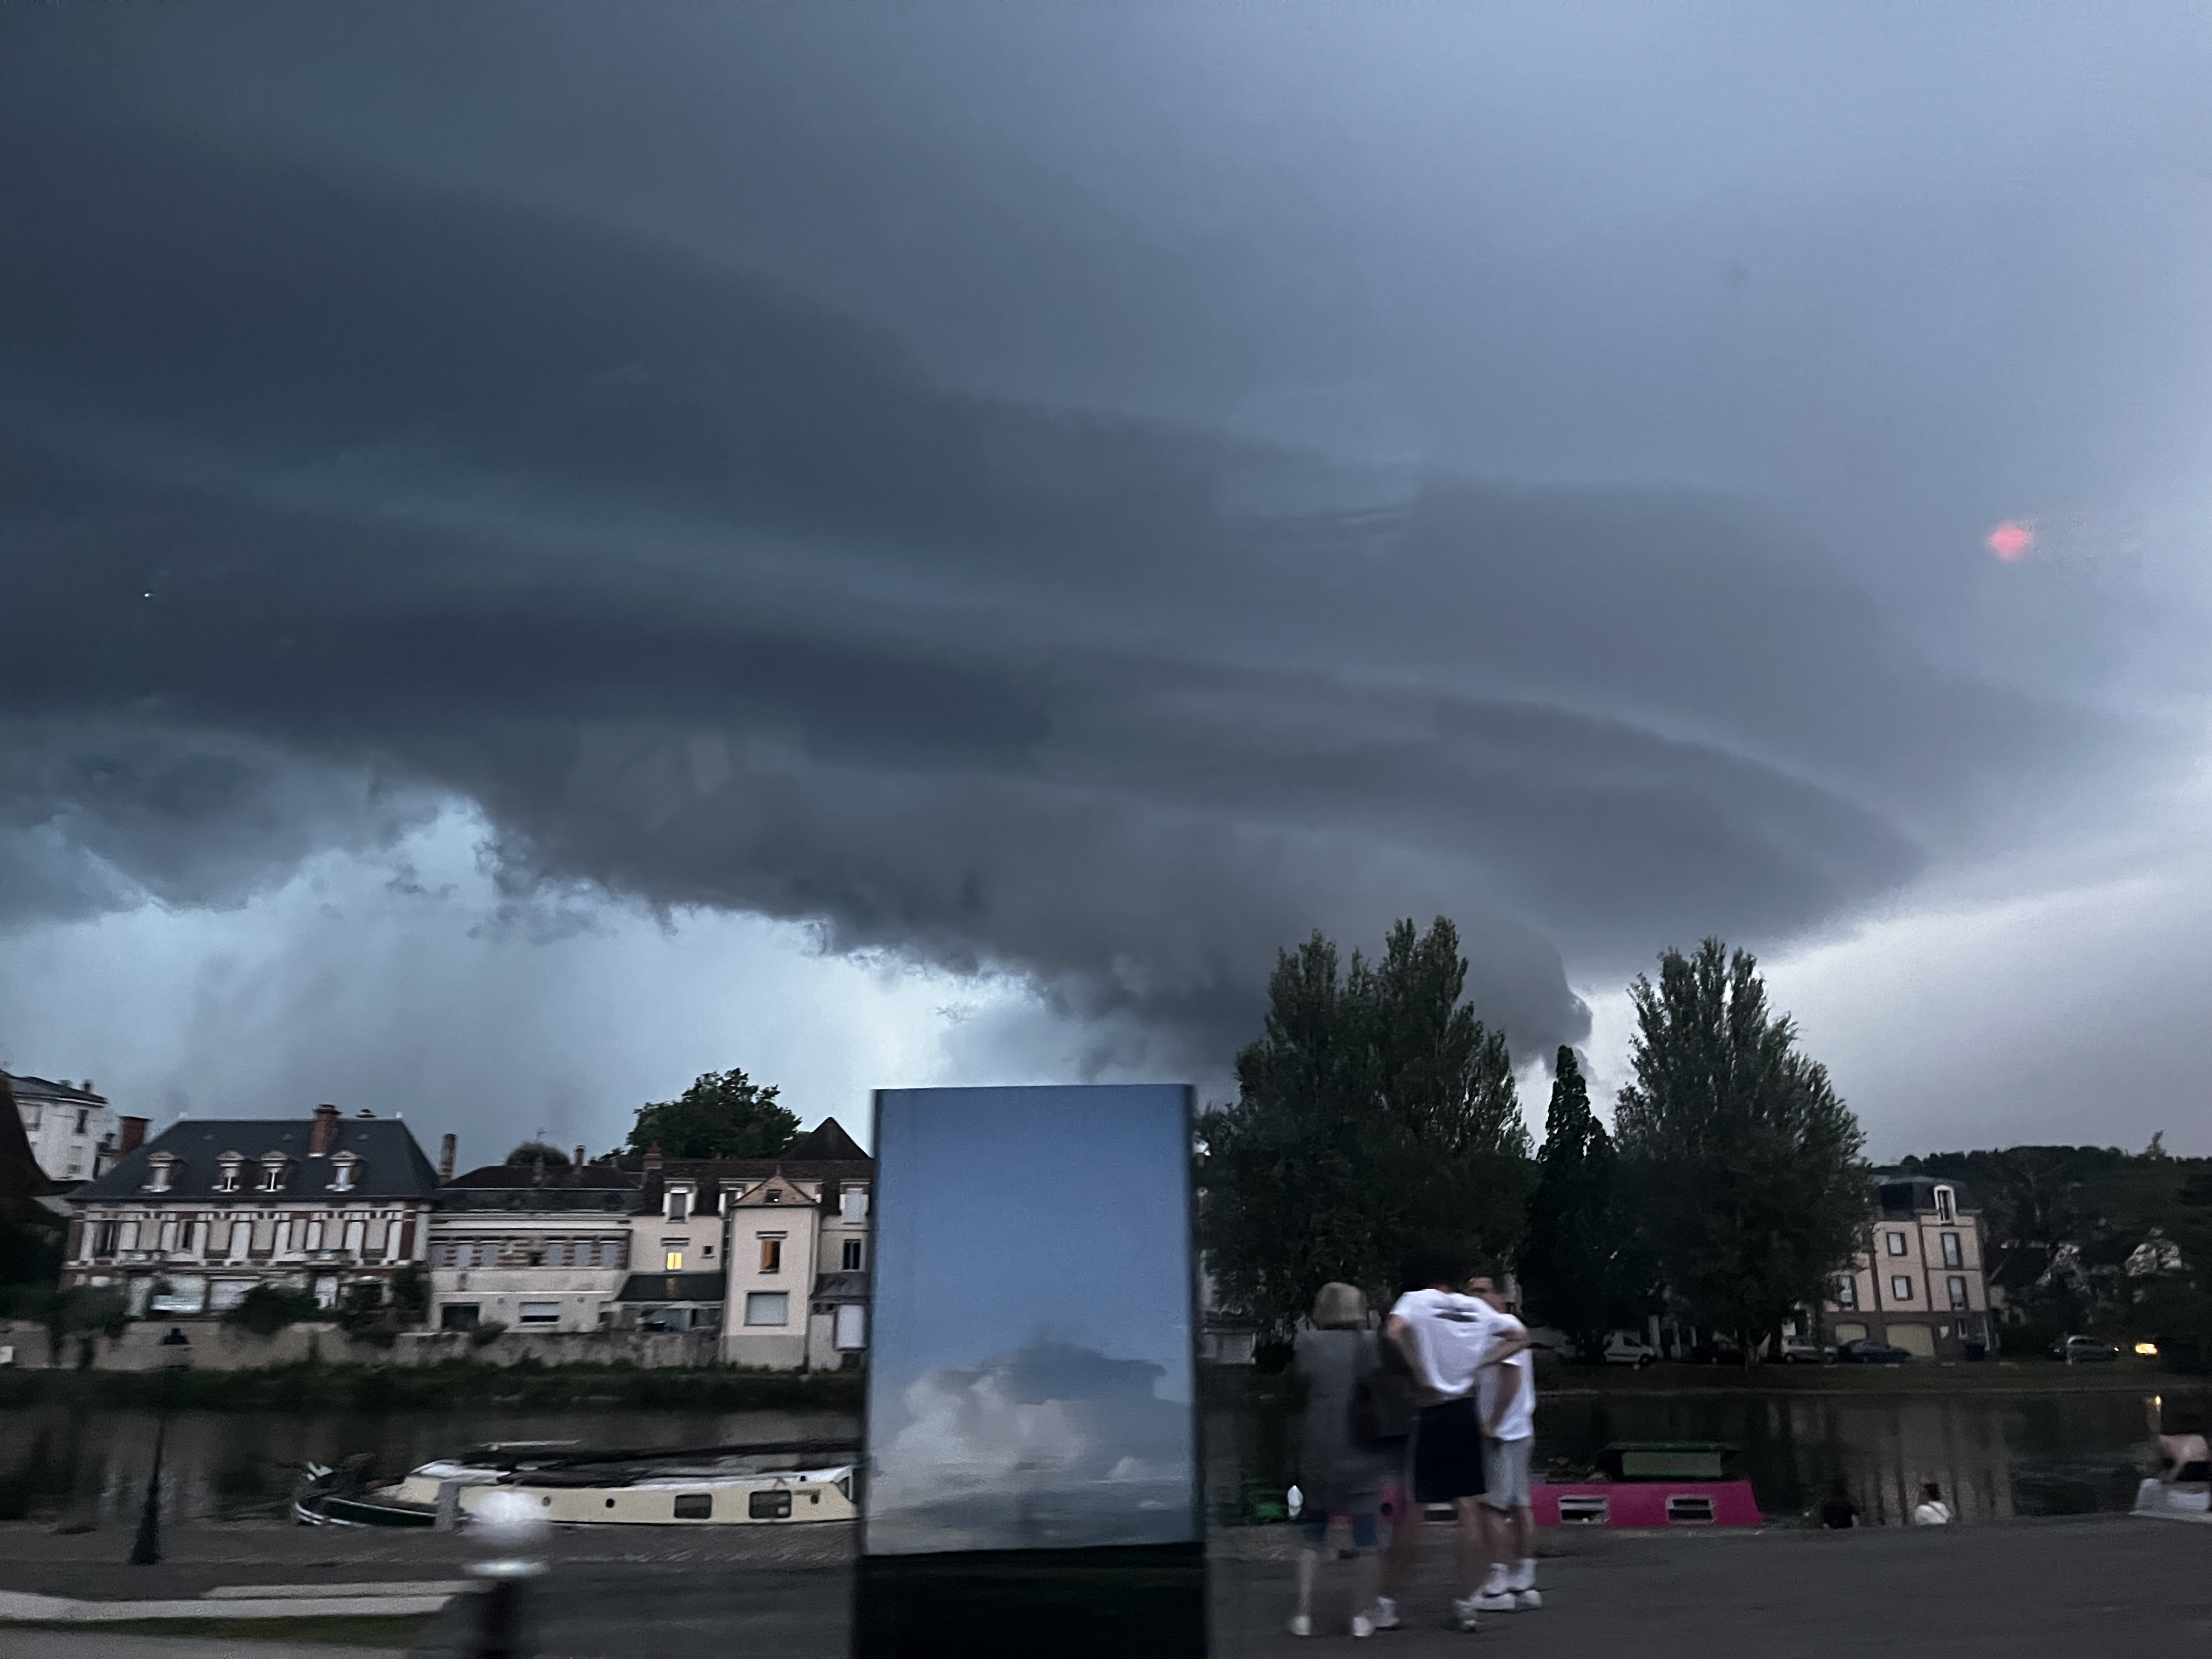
[(1994, 1455)]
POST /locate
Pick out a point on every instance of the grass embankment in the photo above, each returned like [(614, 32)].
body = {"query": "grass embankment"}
[(387, 1630), (312, 1386), (1919, 1376)]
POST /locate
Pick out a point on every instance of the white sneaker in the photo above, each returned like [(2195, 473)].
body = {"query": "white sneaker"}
[(1496, 1582), (1362, 1625), (1301, 1626), (1531, 1597), (1491, 1601), (1385, 1616), (1465, 1611)]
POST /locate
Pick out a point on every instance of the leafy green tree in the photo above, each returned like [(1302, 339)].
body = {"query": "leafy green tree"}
[(1376, 1116), (722, 1114), (268, 1309), (1744, 1164), (1585, 1266), (531, 1151)]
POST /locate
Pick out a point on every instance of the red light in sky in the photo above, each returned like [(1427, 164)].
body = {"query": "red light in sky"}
[(2010, 540)]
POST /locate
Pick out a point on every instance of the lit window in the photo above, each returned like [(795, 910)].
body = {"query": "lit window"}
[(672, 1261), (1847, 1292), (1951, 1257), (1900, 1287), (1896, 1241), (772, 1258), (1957, 1288), (852, 1259), (768, 1306)]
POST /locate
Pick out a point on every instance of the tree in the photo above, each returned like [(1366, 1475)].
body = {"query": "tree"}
[(1585, 1267), (531, 1151), (1376, 1116), (1744, 1164), (722, 1114)]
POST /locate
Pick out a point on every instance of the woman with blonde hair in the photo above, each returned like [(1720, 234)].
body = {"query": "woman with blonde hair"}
[(1340, 1475)]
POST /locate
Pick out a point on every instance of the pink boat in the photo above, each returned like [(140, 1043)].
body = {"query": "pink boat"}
[(1654, 1484)]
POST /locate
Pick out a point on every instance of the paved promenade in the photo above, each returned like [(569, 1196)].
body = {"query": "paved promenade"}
[(2094, 1584)]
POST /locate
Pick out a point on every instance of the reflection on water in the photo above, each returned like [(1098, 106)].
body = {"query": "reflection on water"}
[(69, 1463), (2054, 1455), (2058, 1455)]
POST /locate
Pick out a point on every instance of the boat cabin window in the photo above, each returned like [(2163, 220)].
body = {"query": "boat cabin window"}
[(696, 1505), (769, 1505)]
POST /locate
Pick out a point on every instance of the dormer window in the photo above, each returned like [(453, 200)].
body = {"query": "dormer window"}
[(1947, 1204), (773, 1195), (226, 1177), (160, 1173), (345, 1172), (273, 1172), (679, 1203)]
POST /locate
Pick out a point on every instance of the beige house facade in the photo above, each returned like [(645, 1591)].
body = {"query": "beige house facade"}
[(531, 1247), (1922, 1286), (71, 1130)]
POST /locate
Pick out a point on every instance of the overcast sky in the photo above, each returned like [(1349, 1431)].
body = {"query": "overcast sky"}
[(549, 550)]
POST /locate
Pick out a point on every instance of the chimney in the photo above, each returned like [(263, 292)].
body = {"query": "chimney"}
[(580, 1165), (652, 1158), (446, 1148), (324, 1132), (133, 1136)]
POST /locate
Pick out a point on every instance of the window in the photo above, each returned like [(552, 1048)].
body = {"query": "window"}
[(1900, 1287), (707, 1252), (854, 1203), (341, 1173), (31, 1116), (158, 1175), (357, 1236), (1895, 1241), (1951, 1257), (773, 1196), (83, 1116), (609, 1254), (241, 1239), (540, 1312), (129, 1240), (103, 1239), (773, 1504), (694, 1506), (672, 1261), (1947, 1204), (851, 1260), (1957, 1284), (1847, 1292), (457, 1316), (226, 1179), (272, 1175), (851, 1328), (679, 1205), (768, 1306), (772, 1257)]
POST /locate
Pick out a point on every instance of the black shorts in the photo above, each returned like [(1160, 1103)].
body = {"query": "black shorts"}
[(1447, 1453)]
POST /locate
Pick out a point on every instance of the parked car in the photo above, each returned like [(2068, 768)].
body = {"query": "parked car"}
[(1802, 1351), (1865, 1350), (1629, 1348), (1716, 1350), (2083, 1350)]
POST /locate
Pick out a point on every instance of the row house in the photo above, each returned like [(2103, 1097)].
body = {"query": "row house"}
[(773, 1251), (191, 1221), (533, 1246), (71, 1130), (1921, 1287)]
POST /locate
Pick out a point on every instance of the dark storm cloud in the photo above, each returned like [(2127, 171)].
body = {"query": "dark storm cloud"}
[(327, 490)]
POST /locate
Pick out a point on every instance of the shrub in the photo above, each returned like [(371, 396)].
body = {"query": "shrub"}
[(489, 1332), (268, 1309)]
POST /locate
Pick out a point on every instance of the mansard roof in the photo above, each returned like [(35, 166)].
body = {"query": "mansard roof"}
[(391, 1164)]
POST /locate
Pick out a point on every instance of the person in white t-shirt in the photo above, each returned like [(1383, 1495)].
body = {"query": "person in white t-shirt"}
[(1932, 1511), (1506, 1401), (1447, 1338)]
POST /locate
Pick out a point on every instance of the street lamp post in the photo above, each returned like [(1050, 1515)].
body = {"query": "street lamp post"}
[(176, 1354), (511, 1520)]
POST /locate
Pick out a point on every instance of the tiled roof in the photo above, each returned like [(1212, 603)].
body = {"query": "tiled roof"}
[(392, 1165), (600, 1177), (40, 1088)]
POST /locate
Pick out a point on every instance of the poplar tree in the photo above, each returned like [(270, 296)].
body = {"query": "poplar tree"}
[(1585, 1269)]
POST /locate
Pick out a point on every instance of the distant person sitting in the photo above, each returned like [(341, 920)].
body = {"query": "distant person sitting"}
[(1839, 1513), (1338, 1475), (1932, 1511), (1447, 1337)]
